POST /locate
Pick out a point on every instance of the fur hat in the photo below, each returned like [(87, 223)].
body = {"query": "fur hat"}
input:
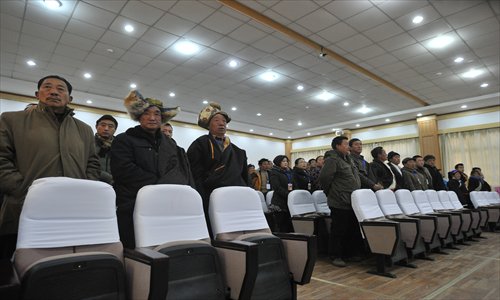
[(136, 105), (207, 113)]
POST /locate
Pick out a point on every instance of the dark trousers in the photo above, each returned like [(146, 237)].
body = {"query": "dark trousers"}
[(283, 221), (345, 235), (125, 217), (7, 245)]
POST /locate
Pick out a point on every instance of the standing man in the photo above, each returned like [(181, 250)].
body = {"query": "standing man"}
[(106, 127), (263, 172), (412, 179), (393, 162), (339, 178), (41, 142), (215, 161), (142, 156), (366, 177), (381, 171), (316, 185), (436, 177), (425, 176), (167, 130)]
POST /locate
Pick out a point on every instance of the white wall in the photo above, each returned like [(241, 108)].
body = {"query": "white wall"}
[(372, 134), (256, 147), (472, 120)]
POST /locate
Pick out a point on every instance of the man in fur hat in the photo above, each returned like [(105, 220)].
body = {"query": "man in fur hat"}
[(215, 161), (142, 156)]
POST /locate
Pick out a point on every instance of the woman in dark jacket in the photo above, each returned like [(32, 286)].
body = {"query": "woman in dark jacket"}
[(281, 183), (477, 182), (455, 184), (301, 178)]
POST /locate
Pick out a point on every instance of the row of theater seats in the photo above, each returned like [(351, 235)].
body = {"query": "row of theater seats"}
[(68, 246)]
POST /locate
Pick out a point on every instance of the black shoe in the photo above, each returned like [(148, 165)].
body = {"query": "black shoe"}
[(338, 262), (355, 259)]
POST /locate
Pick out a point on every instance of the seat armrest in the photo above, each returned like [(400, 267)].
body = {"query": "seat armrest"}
[(9, 281), (158, 270), (301, 253), (410, 230), (239, 260)]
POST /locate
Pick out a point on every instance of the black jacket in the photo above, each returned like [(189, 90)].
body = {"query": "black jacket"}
[(301, 179), (459, 188), (381, 173), (437, 178), (279, 184), (478, 184), (398, 175)]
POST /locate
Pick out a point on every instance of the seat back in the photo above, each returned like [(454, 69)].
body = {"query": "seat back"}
[(476, 199), (433, 198), (454, 200), (388, 203), (422, 202), (320, 202), (493, 198), (406, 202), (265, 209), (444, 198), (269, 197), (64, 223), (300, 202), (365, 205)]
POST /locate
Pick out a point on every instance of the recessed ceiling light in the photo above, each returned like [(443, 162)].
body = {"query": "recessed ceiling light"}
[(334, 129), (472, 73), (270, 133), (110, 50), (128, 28), (205, 102), (357, 125), (299, 123), (364, 110), (300, 87), (52, 4), (133, 85), (251, 130), (307, 107), (387, 120), (417, 19), (308, 134), (288, 137), (171, 94), (233, 63), (186, 47), (459, 59), (463, 106), (87, 75), (419, 114), (234, 108), (325, 96), (484, 85), (269, 76), (89, 101), (439, 74), (440, 41), (31, 63), (346, 103), (280, 119), (259, 114)]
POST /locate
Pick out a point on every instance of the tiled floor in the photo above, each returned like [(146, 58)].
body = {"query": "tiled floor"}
[(470, 273)]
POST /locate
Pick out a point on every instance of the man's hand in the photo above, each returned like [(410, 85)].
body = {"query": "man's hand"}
[(377, 187)]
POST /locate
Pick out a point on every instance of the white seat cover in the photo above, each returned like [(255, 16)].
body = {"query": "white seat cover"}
[(475, 198), (61, 212), (269, 197), (494, 198), (300, 202), (454, 200), (168, 212), (388, 203), (263, 202), (422, 202), (445, 200), (320, 202), (433, 198), (235, 208), (365, 205), (406, 202)]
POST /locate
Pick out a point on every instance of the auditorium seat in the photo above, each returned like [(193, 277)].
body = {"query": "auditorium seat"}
[(466, 215), (262, 198), (68, 245), (481, 203), (321, 203), (382, 235), (411, 228), (285, 259), (267, 213), (456, 218), (269, 197), (475, 213), (169, 219)]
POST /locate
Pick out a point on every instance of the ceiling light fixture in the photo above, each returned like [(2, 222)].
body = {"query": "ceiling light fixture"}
[(31, 63), (463, 106), (440, 42), (484, 85), (308, 134), (259, 114), (472, 73), (133, 85), (419, 114), (357, 125), (171, 94), (233, 63), (87, 75), (270, 133), (299, 123), (346, 103), (52, 4), (269, 76), (205, 101), (288, 137), (128, 28), (89, 101), (280, 119), (364, 110), (300, 87), (459, 59), (186, 47), (417, 19), (109, 50), (234, 108), (325, 96), (251, 130), (387, 120)]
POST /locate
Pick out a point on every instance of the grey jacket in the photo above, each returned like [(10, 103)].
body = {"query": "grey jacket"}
[(412, 179)]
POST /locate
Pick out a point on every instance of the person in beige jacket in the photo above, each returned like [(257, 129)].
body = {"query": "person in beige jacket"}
[(44, 141)]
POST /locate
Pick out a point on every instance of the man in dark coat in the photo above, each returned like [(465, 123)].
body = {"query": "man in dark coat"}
[(105, 127), (380, 170), (437, 178), (142, 156), (411, 178), (394, 159), (215, 161), (366, 177)]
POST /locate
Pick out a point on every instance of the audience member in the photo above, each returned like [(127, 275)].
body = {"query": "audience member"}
[(455, 184), (263, 173), (105, 127), (393, 162), (339, 178), (253, 177), (316, 184), (366, 177), (281, 184), (167, 130), (412, 179), (301, 179), (381, 171), (43, 141), (477, 182), (461, 169), (311, 164), (142, 156), (424, 175), (436, 177)]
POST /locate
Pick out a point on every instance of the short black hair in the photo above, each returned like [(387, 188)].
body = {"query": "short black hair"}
[(376, 151), (297, 160), (429, 157), (309, 161), (338, 140), (250, 166), (407, 159), (319, 157), (476, 168), (353, 140), (458, 165), (168, 124), (391, 154), (416, 156), (107, 117), (68, 85), (262, 160)]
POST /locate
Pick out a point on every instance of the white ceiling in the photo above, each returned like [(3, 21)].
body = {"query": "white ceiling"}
[(377, 35)]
